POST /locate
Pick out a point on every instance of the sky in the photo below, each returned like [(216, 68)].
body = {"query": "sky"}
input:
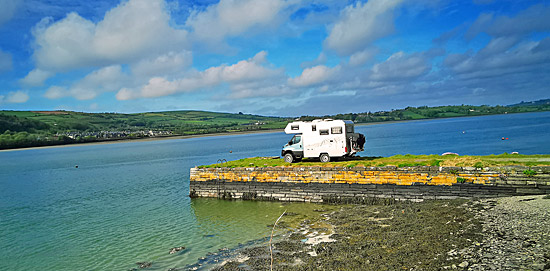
[(271, 57)]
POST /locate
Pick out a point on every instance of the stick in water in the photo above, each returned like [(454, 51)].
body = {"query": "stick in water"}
[(270, 248)]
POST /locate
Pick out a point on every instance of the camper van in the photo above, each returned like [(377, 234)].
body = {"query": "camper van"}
[(324, 139)]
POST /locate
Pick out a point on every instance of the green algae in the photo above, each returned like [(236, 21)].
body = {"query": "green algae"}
[(400, 236)]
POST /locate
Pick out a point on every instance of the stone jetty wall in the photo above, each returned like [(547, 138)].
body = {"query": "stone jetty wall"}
[(359, 184)]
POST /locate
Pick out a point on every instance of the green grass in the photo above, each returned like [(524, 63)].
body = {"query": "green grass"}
[(29, 129), (399, 161)]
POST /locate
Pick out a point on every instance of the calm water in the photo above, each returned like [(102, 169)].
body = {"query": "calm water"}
[(127, 202)]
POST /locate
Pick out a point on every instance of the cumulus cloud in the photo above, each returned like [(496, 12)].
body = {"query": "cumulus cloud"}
[(532, 19), (5, 61), (107, 79), (362, 57), (129, 31), (507, 52), (245, 71), (8, 9), (361, 24), (169, 63), (15, 97), (230, 18), (56, 92), (500, 62), (314, 76), (321, 59), (400, 66), (36, 78), (480, 24)]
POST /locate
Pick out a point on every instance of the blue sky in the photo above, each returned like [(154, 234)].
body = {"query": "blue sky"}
[(271, 57)]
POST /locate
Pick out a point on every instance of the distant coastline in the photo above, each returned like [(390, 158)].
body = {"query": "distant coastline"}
[(38, 133), (130, 140)]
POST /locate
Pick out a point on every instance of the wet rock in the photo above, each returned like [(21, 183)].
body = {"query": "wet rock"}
[(142, 265), (176, 249)]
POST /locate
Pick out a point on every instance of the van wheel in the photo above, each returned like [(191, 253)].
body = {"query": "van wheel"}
[(289, 158), (324, 158)]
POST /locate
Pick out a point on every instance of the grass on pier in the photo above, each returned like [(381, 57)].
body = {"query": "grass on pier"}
[(407, 160)]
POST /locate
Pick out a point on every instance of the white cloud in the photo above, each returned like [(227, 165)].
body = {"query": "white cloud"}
[(15, 97), (133, 29), (56, 92), (499, 62), (480, 24), (362, 57), (259, 89), (8, 9), (5, 61), (400, 66), (321, 59), (169, 63), (107, 79), (245, 71), (314, 76), (229, 18), (361, 24), (532, 19), (36, 78)]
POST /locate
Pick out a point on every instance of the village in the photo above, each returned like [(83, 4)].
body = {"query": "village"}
[(114, 134)]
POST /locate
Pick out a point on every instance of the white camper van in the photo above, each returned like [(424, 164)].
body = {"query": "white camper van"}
[(324, 139)]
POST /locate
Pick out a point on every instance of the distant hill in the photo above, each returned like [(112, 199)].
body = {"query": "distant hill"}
[(449, 111), (40, 128), (533, 103)]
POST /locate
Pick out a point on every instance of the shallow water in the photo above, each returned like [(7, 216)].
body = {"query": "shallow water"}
[(128, 202)]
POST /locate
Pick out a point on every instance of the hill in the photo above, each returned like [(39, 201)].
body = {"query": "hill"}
[(424, 112), (41, 128), (542, 102)]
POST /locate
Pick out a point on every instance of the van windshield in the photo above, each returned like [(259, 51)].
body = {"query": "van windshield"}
[(349, 129)]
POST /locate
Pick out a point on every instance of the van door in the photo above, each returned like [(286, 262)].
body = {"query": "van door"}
[(338, 143), (296, 146)]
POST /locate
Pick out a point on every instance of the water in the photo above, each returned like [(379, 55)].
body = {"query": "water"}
[(127, 202)]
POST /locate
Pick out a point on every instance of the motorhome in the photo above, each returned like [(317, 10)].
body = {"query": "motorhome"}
[(324, 139)]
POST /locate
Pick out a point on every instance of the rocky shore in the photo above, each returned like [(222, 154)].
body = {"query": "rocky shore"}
[(490, 234), (516, 235)]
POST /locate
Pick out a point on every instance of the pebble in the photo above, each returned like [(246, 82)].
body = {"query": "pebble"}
[(515, 234)]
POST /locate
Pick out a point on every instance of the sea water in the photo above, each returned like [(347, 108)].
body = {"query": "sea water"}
[(109, 206)]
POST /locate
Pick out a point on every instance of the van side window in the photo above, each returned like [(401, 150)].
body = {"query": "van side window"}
[(323, 132), (295, 127), (336, 130), (313, 127)]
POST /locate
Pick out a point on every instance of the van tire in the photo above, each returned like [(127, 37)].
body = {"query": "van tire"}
[(324, 157), (289, 158)]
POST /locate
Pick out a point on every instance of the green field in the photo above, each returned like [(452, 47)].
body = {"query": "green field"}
[(38, 128), (449, 111), (20, 129)]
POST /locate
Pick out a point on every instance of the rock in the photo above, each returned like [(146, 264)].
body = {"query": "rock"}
[(176, 249), (144, 264), (463, 264)]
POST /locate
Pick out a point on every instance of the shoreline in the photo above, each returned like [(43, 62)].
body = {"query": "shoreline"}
[(510, 233), (147, 139), (235, 133)]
